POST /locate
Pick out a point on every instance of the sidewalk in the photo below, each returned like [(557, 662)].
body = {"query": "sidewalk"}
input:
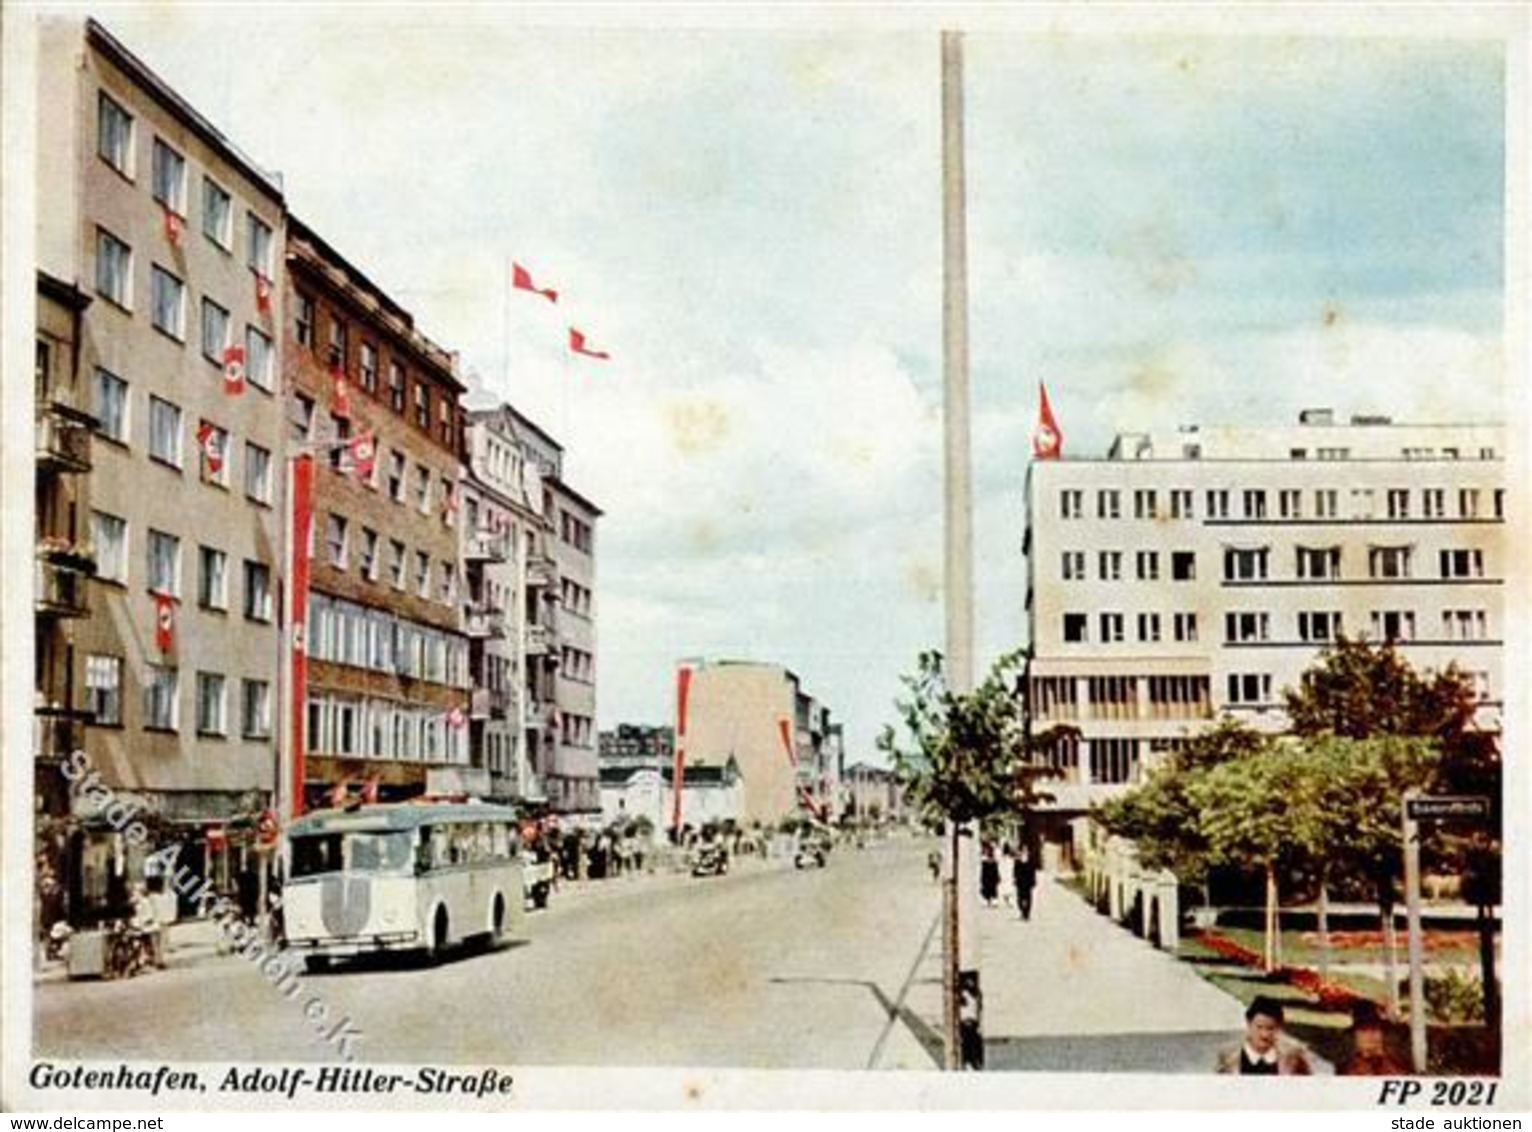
[(187, 943), (1070, 991)]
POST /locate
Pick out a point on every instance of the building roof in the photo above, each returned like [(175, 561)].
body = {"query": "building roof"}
[(694, 774)]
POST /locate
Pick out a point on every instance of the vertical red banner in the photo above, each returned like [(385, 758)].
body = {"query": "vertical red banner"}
[(298, 550), (785, 729), (678, 772)]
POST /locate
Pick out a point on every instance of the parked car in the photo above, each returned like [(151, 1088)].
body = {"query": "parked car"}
[(709, 859)]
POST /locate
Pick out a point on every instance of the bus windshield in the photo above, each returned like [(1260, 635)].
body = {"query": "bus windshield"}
[(381, 852)]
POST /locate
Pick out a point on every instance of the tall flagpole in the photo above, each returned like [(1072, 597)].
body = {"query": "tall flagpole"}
[(959, 938)]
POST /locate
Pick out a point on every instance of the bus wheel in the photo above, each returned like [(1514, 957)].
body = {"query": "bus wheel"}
[(497, 920), (439, 934)]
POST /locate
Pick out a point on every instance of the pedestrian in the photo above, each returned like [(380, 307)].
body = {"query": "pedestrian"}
[(970, 1020), (1266, 1050), (934, 863), (1369, 1057), (1024, 878), (989, 876)]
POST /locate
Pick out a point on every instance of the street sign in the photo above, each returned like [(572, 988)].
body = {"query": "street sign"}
[(1447, 807)]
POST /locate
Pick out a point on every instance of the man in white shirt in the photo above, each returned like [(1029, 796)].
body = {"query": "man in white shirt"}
[(1266, 1050)]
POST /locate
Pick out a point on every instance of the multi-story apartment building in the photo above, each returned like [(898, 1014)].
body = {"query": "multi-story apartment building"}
[(509, 594), (758, 715), (1199, 572), (173, 233), (387, 690)]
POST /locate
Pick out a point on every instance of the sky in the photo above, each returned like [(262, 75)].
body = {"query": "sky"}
[(1165, 228)]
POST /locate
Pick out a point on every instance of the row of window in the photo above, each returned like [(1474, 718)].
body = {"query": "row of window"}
[(575, 597), (167, 439), (577, 730), (405, 573), (115, 144), (162, 557), (1324, 503), (575, 531), (577, 664), (162, 699), (343, 632), (373, 728), (1253, 627), (408, 484), (1324, 563)]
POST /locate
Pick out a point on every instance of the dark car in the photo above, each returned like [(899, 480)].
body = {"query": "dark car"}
[(709, 860)]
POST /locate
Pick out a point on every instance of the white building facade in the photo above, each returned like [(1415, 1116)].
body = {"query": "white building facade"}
[(1197, 573)]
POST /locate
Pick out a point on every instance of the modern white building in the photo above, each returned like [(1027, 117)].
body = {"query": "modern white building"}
[(709, 794), (1198, 572)]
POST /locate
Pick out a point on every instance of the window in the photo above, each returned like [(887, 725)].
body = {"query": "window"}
[(423, 488), (1393, 625), (1072, 503), (1298, 453), (213, 449), (212, 578), (449, 583), (300, 416), (1184, 626), (1109, 565), (367, 375), (422, 573), (114, 138), (259, 365), (396, 386), (1290, 504), (369, 554), (1109, 504), (260, 247), (168, 296), (1326, 503), (1398, 503), (1218, 504), (1500, 503), (335, 541), (1180, 503), (1183, 565), (110, 536), (1074, 627), (103, 689), (303, 319), (1244, 565), (396, 468), (217, 214), (1465, 624), (111, 406), (215, 331), (1145, 503), (169, 177), (1111, 628), (1113, 760), (1148, 627), (1419, 453), (164, 563), (1074, 566), (162, 684), (1450, 453), (1241, 628), (1321, 626), (1388, 562), (255, 709), (1255, 504), (1486, 453), (1249, 688), (164, 432), (114, 269), (257, 473), (1468, 503), (1334, 453), (396, 563), (1148, 563), (1361, 503), (1433, 503), (1319, 562), (422, 405), (1462, 563), (444, 421), (210, 704), (339, 355), (257, 591), (340, 454)]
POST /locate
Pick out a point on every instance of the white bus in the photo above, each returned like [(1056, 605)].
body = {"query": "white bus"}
[(412, 876)]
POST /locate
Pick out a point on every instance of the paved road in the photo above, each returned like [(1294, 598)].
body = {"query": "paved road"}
[(768, 969)]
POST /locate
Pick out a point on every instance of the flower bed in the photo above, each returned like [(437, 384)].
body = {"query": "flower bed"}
[(1329, 996)]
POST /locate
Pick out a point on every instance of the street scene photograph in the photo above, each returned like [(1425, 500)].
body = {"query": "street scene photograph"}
[(921, 547)]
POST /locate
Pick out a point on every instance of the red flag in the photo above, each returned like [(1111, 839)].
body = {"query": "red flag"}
[(521, 279), (370, 790), (298, 557), (173, 225), (210, 440), (164, 622), (577, 344), (456, 719), (262, 293), (234, 370), (678, 772), (1047, 440), (340, 793), (785, 729), (340, 405), (364, 454)]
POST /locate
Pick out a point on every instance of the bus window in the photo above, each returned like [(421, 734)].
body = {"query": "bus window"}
[(500, 841), (315, 855), (380, 852)]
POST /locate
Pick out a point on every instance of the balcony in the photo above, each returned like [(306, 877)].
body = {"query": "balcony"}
[(532, 714), (482, 623), (487, 546), (62, 587), (488, 703), (56, 735), (539, 640), (63, 438), (541, 571)]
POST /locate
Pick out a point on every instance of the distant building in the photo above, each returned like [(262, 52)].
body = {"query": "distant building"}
[(634, 744), (1197, 573), (709, 794), (873, 792)]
